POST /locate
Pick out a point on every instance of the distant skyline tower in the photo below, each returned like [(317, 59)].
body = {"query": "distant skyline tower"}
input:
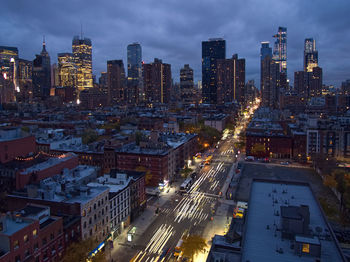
[(310, 55), (157, 81), (280, 49), (265, 51), (67, 70), (213, 49), (82, 52), (42, 74), (135, 81), (187, 90), (116, 81)]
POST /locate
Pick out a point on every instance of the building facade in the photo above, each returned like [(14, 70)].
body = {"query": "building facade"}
[(212, 50), (116, 81)]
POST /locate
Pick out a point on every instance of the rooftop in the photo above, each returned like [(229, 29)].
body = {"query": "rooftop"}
[(262, 239)]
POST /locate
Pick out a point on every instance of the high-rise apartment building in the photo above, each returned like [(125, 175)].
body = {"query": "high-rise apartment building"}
[(230, 80), (270, 82), (308, 84), (280, 49), (212, 50), (187, 91), (135, 90), (42, 74), (310, 55), (157, 81), (82, 53), (116, 81)]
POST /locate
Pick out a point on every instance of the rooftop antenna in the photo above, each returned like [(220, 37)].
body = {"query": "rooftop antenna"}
[(81, 29)]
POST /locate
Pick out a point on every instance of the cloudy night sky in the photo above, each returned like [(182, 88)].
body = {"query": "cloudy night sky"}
[(172, 30)]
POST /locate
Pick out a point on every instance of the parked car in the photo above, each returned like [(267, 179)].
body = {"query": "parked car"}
[(249, 158), (285, 163)]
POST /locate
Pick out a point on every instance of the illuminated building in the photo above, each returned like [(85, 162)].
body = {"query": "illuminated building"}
[(8, 56), (116, 81), (188, 92), (82, 54), (157, 81), (280, 49), (24, 78), (67, 70), (211, 51), (230, 80), (42, 74), (310, 55), (308, 84)]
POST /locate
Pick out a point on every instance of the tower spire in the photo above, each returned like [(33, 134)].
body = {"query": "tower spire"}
[(81, 30), (44, 44)]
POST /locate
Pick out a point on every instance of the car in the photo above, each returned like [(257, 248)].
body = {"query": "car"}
[(249, 158), (285, 163), (266, 160), (238, 212)]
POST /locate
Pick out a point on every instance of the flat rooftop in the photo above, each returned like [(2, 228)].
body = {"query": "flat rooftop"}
[(261, 244), (13, 225)]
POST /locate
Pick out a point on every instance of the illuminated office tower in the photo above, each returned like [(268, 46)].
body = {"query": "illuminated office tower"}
[(8, 58), (212, 50), (25, 82), (310, 55), (280, 49), (82, 53), (67, 70), (42, 74)]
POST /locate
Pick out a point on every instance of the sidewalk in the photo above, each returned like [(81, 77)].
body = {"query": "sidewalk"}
[(141, 223)]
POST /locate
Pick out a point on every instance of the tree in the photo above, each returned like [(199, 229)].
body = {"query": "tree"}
[(330, 181), (185, 172), (79, 251), (148, 175), (89, 136), (192, 245)]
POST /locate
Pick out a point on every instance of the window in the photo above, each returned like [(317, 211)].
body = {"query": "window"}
[(52, 236), (25, 238), (306, 248), (85, 224), (94, 206), (35, 232), (36, 246), (44, 241), (84, 213), (18, 258), (26, 253), (1, 226), (15, 244)]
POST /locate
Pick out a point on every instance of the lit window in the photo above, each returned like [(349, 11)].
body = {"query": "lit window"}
[(35, 232), (25, 238), (15, 244), (306, 248)]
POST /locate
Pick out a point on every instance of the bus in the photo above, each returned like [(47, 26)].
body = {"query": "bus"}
[(186, 185), (177, 251)]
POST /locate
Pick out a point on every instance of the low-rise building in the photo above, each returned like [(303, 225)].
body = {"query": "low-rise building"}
[(31, 234)]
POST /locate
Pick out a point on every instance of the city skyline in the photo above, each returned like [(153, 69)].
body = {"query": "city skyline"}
[(177, 40)]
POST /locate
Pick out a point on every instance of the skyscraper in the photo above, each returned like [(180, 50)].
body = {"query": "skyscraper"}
[(280, 49), (187, 91), (135, 90), (211, 51), (269, 77), (25, 76), (310, 55), (230, 79), (157, 81), (67, 70), (116, 81), (82, 53), (134, 62), (42, 74), (8, 57)]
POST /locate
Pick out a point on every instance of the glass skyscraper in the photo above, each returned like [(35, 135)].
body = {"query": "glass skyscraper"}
[(212, 50), (310, 55), (280, 49), (82, 52)]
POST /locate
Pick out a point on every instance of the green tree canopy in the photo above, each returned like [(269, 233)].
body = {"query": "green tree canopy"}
[(79, 252)]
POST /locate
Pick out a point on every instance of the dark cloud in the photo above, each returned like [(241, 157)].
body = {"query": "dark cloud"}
[(173, 30)]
